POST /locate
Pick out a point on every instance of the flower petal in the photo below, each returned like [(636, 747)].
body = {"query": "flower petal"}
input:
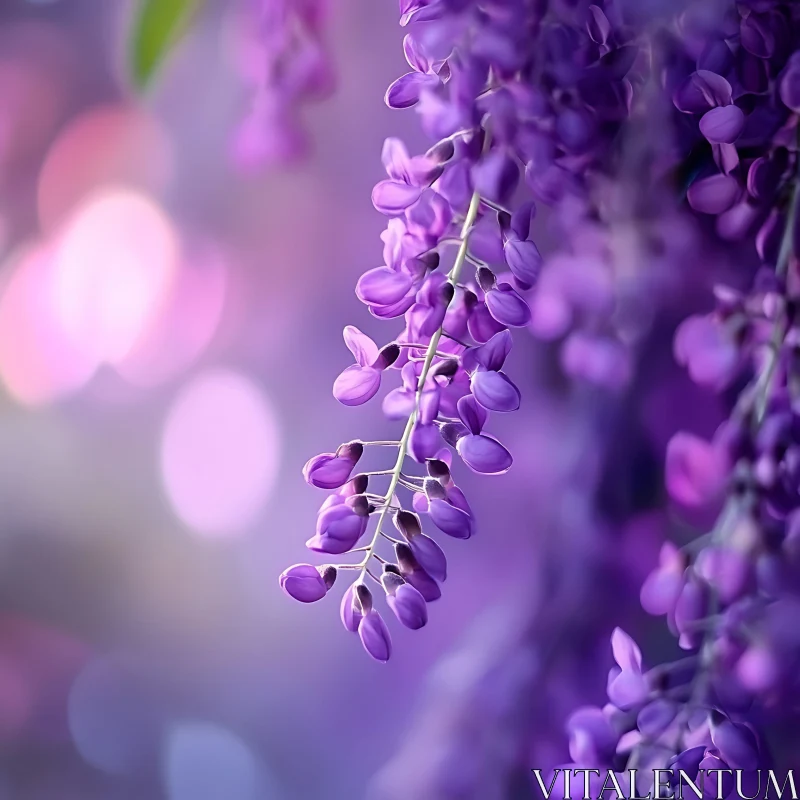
[(492, 355), (360, 345), (722, 125), (494, 391), (482, 325), (375, 636), (430, 556), (407, 89), (356, 385), (626, 652), (450, 520), (701, 91), (496, 176), (484, 455), (507, 307), (472, 414), (696, 472), (713, 195), (304, 583), (524, 260), (392, 197), (383, 286)]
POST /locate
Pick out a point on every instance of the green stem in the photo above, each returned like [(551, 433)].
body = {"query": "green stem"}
[(452, 277)]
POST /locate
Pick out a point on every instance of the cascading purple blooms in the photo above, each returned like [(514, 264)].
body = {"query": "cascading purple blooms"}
[(451, 225), (731, 597), (287, 64), (554, 87)]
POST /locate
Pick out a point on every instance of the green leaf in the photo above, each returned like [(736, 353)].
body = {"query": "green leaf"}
[(158, 25)]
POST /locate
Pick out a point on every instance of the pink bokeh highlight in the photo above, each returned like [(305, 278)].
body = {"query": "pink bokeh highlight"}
[(39, 363), (220, 453), (109, 145), (190, 317), (115, 264)]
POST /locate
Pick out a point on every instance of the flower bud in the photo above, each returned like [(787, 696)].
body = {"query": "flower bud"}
[(451, 520), (387, 356), (363, 598), (407, 523), (446, 369), (442, 151), (434, 490), (439, 470), (340, 526), (332, 470), (391, 581), (350, 609), (451, 432), (375, 636), (429, 556), (356, 485), (486, 278), (304, 582), (329, 573), (415, 574), (408, 606), (350, 451)]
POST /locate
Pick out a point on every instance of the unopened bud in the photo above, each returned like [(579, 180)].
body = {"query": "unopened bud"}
[(391, 582), (407, 523), (438, 469), (328, 573), (446, 369), (359, 504), (351, 451), (442, 151), (387, 356), (405, 558), (434, 490), (363, 599), (486, 278)]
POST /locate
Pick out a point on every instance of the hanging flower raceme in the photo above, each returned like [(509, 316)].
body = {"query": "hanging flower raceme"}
[(451, 225), (734, 83), (653, 721), (731, 596), (286, 61)]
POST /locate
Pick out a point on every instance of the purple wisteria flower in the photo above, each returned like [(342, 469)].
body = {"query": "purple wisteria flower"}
[(285, 59), (453, 205), (728, 595)]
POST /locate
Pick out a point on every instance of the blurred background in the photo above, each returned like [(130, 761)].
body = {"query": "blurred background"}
[(170, 327)]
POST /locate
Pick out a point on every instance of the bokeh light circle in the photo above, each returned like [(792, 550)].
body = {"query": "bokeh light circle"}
[(188, 322), (220, 451), (114, 267), (38, 360), (206, 762), (107, 145)]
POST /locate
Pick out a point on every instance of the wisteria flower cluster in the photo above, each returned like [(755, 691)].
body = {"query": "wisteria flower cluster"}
[(450, 228), (287, 64), (537, 102), (731, 595)]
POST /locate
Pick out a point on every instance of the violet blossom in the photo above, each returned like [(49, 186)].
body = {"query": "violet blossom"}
[(452, 350)]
